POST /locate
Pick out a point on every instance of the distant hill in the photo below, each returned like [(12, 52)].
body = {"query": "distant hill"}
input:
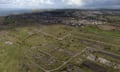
[(9, 12)]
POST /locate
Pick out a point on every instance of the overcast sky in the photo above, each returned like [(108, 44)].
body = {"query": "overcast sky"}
[(34, 4)]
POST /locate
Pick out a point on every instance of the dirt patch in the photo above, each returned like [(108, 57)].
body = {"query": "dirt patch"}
[(107, 27)]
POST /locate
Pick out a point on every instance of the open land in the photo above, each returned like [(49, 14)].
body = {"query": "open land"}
[(61, 41)]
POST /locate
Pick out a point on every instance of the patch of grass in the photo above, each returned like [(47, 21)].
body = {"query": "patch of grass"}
[(55, 44), (8, 20), (94, 29)]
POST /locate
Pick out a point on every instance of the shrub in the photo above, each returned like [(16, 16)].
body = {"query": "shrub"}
[(8, 21)]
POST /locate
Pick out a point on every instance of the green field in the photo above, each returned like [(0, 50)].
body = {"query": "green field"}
[(52, 48)]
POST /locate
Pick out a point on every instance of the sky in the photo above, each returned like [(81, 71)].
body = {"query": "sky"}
[(42, 4)]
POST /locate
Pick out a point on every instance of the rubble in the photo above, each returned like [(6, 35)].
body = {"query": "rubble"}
[(91, 57), (8, 43)]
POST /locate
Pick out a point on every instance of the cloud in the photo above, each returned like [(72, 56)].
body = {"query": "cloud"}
[(102, 3), (34, 2), (5, 1), (60, 4), (25, 3), (73, 2)]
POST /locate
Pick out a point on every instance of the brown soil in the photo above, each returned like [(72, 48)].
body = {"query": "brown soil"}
[(107, 27)]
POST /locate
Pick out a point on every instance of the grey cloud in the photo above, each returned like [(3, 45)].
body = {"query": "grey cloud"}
[(61, 4), (102, 3)]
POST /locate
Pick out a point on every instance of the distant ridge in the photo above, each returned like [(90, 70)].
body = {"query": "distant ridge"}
[(22, 11)]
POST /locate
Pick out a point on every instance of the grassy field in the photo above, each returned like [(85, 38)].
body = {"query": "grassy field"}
[(52, 48)]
